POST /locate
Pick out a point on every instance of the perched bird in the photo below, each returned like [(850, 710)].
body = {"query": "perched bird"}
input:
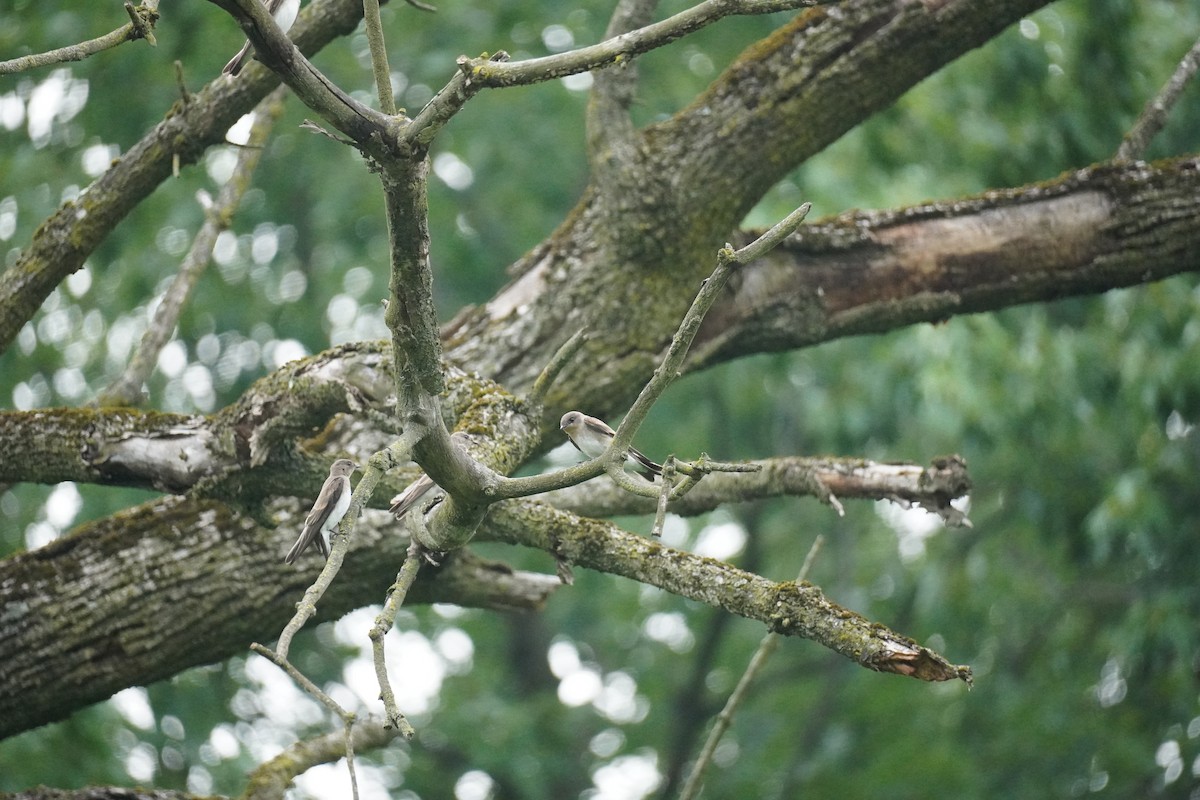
[(416, 490), (592, 437), (327, 512), (284, 12), (402, 502)]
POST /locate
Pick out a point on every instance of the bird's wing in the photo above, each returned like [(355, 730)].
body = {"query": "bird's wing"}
[(234, 67), (315, 522), (651, 468), (404, 501), (327, 501)]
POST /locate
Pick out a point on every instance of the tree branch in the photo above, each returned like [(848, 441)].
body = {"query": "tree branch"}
[(71, 234), (932, 487), (379, 60), (1089, 231), (371, 130), (787, 608), (1154, 115), (487, 73), (190, 582), (143, 18)]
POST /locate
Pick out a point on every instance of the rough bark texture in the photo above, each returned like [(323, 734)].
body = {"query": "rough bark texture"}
[(626, 265), (177, 583), (1083, 233), (180, 577), (788, 608)]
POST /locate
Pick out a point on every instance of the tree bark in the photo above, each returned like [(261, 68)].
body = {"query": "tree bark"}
[(177, 583), (181, 581)]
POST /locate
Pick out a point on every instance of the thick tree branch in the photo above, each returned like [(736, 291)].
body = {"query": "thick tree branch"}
[(1086, 232), (788, 608), (790, 95), (176, 583), (824, 478)]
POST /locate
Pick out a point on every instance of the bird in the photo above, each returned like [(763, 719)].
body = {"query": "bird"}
[(284, 12), (402, 502), (327, 512), (416, 490), (592, 437)]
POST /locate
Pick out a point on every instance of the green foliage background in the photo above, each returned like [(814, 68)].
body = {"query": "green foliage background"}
[(1074, 597)]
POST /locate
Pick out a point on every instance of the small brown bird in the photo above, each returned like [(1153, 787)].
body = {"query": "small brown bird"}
[(327, 512), (592, 437)]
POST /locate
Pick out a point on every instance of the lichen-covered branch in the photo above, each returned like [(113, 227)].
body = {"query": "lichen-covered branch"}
[(931, 487), (190, 582), (71, 234), (786, 607), (1086, 232)]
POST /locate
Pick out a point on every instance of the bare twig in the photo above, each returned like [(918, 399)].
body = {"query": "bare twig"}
[(143, 19), (765, 648), (347, 717), (379, 60), (348, 738), (1154, 115), (184, 94), (492, 71), (383, 623), (126, 390), (727, 261), (562, 357), (280, 660), (612, 461), (484, 73), (664, 493)]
